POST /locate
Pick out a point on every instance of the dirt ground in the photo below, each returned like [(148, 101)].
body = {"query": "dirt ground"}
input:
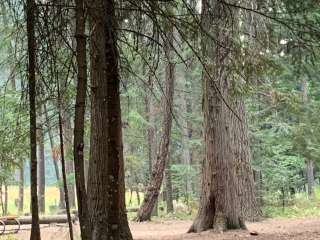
[(271, 229)]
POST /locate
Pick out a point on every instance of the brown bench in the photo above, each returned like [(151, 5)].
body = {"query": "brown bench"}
[(6, 219)]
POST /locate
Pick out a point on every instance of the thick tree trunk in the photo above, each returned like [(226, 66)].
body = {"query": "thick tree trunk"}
[(97, 181), (106, 190), (41, 169), (241, 149), (219, 204), (80, 107), (21, 187), (152, 191), (35, 229)]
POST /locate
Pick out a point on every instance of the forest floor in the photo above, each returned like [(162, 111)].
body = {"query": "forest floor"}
[(270, 229)]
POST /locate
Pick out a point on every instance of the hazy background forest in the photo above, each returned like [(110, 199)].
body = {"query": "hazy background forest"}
[(260, 60)]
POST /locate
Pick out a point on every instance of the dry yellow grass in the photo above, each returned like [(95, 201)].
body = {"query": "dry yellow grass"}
[(51, 196)]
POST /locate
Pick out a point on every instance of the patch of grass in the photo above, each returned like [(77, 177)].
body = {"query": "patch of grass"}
[(51, 198), (51, 195), (181, 212), (9, 237), (300, 206)]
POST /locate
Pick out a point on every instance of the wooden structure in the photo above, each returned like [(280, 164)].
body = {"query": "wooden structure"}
[(18, 221), (13, 220)]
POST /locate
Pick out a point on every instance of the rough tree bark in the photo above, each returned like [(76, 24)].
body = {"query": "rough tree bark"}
[(250, 209), (152, 191), (35, 229), (219, 206), (80, 107), (151, 129), (106, 192)]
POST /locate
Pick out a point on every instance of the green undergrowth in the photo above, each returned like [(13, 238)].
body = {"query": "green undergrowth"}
[(301, 205), (181, 211)]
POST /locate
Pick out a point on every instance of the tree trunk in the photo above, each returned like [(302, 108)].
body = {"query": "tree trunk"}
[(125, 233), (309, 162), (155, 212), (151, 118), (35, 229), (21, 187), (241, 149), (80, 107), (55, 159), (52, 219), (68, 136), (151, 130), (186, 135), (219, 206), (41, 169), (261, 189), (1, 199), (63, 166), (258, 184), (187, 127), (169, 198), (11, 52), (152, 191), (106, 190), (138, 196), (86, 171), (310, 177), (68, 145), (5, 198)]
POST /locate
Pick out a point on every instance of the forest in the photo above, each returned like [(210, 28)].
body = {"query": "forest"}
[(159, 119)]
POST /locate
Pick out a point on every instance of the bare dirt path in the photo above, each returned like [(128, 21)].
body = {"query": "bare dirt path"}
[(271, 229)]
